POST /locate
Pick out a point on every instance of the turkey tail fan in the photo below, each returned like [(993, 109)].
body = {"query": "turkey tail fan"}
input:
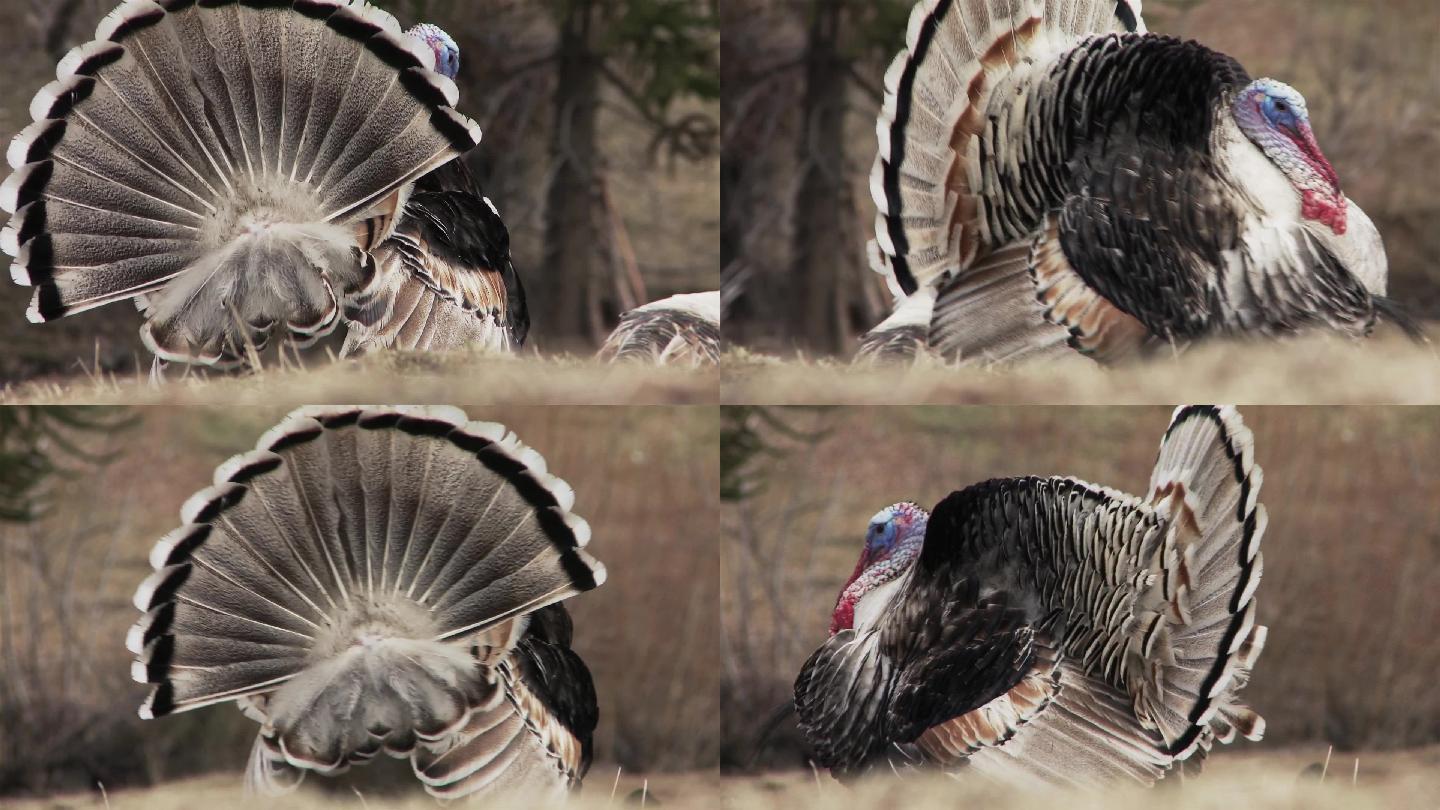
[(226, 163), (956, 53), (682, 330), (1199, 638), (359, 582)]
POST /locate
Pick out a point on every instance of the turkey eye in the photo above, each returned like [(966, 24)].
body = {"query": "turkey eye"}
[(1280, 106)]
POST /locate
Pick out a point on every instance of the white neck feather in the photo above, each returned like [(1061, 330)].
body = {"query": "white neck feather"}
[(1361, 249), (1258, 180), (876, 601), (1274, 212)]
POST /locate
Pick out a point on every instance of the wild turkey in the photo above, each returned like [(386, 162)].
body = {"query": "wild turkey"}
[(376, 580), (682, 330), (240, 168), (1049, 631), (1055, 178)]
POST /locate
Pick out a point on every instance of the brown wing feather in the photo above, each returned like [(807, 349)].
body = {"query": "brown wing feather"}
[(433, 304), (1097, 327)]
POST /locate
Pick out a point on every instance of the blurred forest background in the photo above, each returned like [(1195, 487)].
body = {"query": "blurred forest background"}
[(1352, 553), (802, 85), (601, 141), (85, 493)]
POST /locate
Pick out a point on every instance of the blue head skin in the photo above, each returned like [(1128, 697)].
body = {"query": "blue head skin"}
[(1274, 117), (447, 53), (892, 543)]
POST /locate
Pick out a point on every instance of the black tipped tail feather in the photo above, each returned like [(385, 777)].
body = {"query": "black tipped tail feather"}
[(1207, 484)]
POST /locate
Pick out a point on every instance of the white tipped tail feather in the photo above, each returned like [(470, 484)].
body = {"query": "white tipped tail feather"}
[(225, 164), (379, 579), (682, 330), (1199, 638)]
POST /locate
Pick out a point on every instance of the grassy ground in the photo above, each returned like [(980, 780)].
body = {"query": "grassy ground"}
[(1256, 779), (1316, 370), (602, 789), (412, 378)]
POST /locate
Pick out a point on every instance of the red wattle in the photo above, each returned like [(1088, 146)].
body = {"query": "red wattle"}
[(844, 616), (1320, 207), (849, 604)]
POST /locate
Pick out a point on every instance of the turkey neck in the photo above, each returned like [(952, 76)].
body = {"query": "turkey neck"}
[(871, 592)]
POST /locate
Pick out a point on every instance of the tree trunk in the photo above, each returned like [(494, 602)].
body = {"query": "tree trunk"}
[(821, 290), (568, 276)]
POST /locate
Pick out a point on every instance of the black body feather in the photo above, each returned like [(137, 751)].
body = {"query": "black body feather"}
[(559, 678), (463, 230)]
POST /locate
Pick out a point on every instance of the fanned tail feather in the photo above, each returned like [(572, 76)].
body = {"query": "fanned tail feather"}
[(925, 180), (1198, 638), (931, 226)]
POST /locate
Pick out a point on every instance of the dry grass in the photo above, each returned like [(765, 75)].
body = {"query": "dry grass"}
[(1352, 554), (423, 378), (686, 791), (1317, 370), (1256, 780), (1268, 780), (645, 478)]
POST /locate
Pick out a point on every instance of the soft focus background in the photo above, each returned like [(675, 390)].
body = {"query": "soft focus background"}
[(1352, 563), (802, 84), (84, 494), (601, 126)]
